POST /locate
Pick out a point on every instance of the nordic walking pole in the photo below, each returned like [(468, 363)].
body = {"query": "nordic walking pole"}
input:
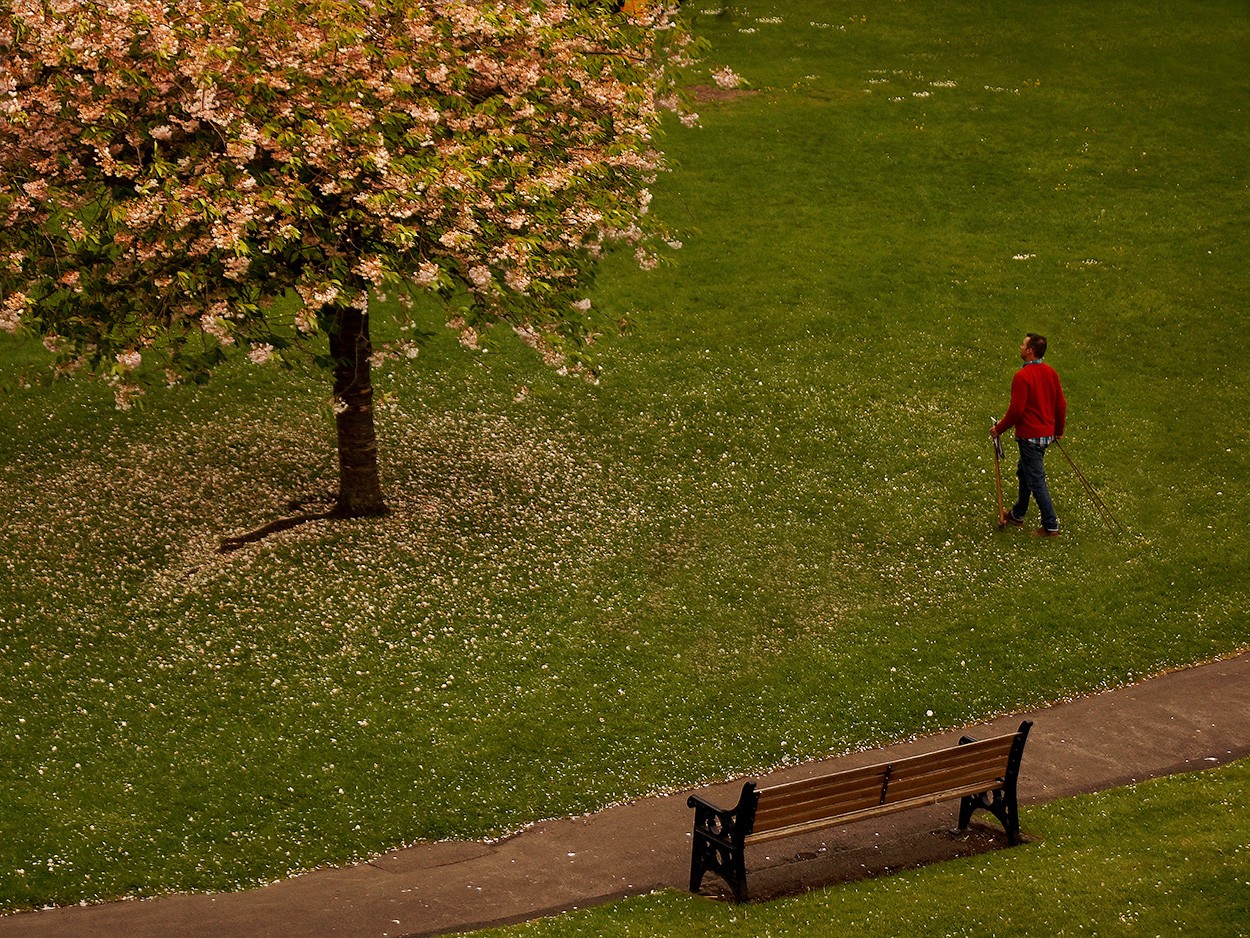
[(1103, 511), (998, 477)]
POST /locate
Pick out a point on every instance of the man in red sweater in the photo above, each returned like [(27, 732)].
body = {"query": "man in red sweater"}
[(1038, 411)]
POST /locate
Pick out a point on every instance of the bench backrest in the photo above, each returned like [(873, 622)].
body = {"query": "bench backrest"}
[(970, 768)]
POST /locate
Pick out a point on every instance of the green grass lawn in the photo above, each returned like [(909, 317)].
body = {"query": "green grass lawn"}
[(1165, 857), (780, 494)]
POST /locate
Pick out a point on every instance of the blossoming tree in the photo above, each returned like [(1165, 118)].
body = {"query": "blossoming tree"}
[(181, 177)]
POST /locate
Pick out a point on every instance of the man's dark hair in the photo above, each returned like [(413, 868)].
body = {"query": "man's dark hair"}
[(1037, 343)]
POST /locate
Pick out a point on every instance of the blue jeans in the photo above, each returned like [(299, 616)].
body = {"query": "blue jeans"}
[(1032, 473)]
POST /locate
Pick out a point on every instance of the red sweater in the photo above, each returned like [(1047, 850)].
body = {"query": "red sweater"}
[(1038, 407)]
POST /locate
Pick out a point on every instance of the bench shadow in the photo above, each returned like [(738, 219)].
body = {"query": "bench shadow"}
[(833, 863)]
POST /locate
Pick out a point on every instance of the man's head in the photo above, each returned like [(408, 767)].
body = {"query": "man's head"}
[(1033, 348)]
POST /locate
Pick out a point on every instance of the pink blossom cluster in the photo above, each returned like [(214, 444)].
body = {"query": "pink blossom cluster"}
[(726, 77), (169, 169)]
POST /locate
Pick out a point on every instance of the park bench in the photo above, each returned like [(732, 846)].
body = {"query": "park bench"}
[(981, 773)]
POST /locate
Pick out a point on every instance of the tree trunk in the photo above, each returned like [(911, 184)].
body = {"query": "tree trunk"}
[(360, 490)]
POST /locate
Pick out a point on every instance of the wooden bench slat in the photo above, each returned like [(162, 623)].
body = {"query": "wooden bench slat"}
[(994, 747), (848, 778), (869, 777), (791, 814), (831, 795), (975, 762), (899, 791), (987, 777), (951, 761), (862, 815), (982, 763), (997, 745), (990, 767)]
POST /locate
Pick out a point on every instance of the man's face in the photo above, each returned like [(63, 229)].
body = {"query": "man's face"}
[(1026, 351)]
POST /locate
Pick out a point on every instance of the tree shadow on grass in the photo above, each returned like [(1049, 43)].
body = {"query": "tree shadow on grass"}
[(229, 544)]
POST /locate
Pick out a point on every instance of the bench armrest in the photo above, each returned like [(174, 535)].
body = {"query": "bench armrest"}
[(716, 843), (730, 824), (703, 805)]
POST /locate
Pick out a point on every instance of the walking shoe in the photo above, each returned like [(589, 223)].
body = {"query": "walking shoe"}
[(1013, 520), (1046, 532)]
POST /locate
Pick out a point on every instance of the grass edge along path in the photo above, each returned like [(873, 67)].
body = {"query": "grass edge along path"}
[(1166, 856), (1189, 718)]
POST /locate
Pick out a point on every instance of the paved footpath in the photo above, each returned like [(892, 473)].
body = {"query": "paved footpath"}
[(1181, 721)]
